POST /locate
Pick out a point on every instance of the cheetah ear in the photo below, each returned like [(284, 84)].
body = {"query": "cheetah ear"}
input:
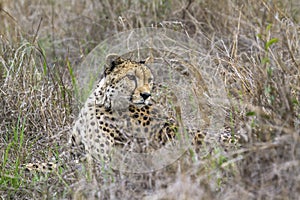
[(148, 60), (112, 60)]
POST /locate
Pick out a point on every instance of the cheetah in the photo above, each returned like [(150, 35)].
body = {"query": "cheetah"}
[(122, 113)]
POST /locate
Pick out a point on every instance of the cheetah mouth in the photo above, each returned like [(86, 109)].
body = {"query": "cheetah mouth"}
[(148, 102), (143, 102)]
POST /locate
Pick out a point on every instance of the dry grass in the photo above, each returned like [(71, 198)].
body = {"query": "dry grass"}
[(255, 45)]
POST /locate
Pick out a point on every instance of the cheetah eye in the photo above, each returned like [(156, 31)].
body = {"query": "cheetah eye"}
[(131, 77)]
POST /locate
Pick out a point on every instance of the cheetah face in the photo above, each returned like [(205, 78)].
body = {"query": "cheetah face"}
[(142, 79), (127, 82)]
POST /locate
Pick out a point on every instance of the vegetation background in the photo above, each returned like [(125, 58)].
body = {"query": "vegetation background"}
[(255, 44)]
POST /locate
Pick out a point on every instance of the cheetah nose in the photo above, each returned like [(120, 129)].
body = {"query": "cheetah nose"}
[(145, 95)]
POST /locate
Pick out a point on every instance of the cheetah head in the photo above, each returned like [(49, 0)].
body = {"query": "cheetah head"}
[(125, 82)]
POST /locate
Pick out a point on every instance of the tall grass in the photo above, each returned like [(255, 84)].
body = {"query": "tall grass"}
[(254, 45)]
